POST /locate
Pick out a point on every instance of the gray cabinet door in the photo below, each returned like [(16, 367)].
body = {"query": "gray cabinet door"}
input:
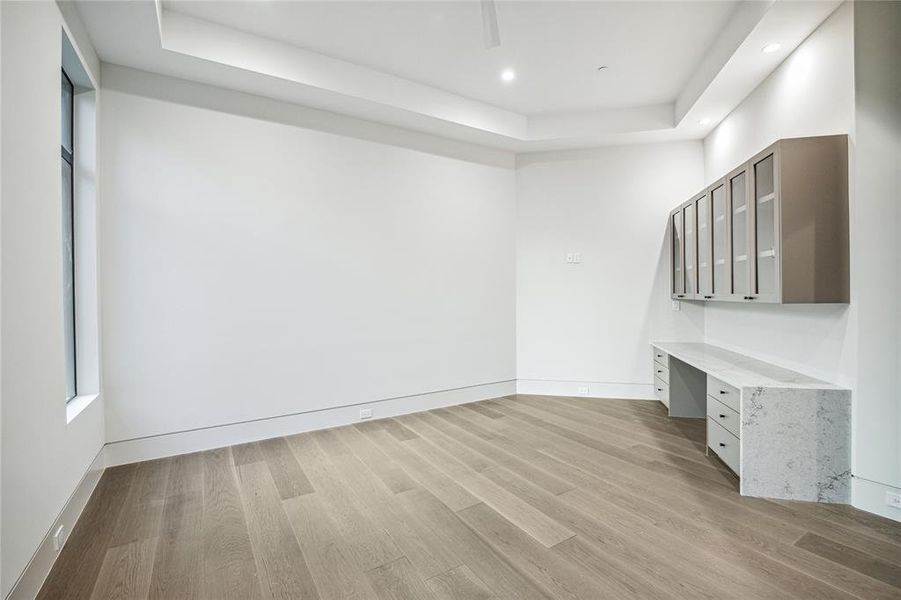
[(720, 257), (690, 250), (765, 276), (677, 267), (705, 267), (737, 194)]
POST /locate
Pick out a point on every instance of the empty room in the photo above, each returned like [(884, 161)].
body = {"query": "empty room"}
[(450, 299)]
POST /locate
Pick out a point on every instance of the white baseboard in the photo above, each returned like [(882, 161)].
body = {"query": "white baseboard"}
[(171, 444), (32, 578), (595, 389), (870, 496)]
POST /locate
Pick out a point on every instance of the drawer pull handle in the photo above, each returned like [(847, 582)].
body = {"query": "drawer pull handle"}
[(659, 371), (722, 416), (659, 389), (722, 445)]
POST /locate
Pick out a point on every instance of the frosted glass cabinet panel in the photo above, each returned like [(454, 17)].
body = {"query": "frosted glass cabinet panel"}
[(690, 251), (740, 217), (773, 230), (678, 278), (702, 210), (720, 281), (765, 273)]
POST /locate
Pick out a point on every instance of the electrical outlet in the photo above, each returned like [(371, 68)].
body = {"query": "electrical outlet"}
[(577, 258), (365, 413), (569, 258), (677, 306), (583, 390), (59, 538), (893, 499)]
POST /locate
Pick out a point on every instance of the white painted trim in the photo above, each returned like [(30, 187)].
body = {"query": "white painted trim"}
[(77, 404), (870, 496), (195, 440), (596, 389), (32, 578)]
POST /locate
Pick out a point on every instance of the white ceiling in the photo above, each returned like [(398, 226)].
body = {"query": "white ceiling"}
[(675, 69), (650, 48)]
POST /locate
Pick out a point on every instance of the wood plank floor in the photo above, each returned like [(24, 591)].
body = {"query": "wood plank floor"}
[(521, 497)]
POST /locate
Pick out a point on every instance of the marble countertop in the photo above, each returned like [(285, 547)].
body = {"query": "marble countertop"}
[(739, 370)]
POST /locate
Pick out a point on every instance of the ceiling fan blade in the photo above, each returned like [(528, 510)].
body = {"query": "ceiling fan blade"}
[(489, 24)]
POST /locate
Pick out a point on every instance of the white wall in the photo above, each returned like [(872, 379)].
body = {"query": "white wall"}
[(811, 93), (876, 253), (43, 456), (252, 269), (591, 323)]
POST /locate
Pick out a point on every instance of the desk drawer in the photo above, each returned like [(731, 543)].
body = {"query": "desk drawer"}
[(725, 393), (661, 372), (661, 357), (724, 415), (724, 444), (661, 390)]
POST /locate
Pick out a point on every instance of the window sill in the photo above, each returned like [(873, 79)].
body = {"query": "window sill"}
[(77, 404)]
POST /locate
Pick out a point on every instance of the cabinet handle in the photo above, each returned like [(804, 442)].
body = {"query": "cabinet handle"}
[(659, 371), (659, 389), (722, 445), (722, 416), (707, 297), (723, 392)]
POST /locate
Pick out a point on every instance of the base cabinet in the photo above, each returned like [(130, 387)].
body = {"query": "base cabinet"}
[(724, 444), (773, 230)]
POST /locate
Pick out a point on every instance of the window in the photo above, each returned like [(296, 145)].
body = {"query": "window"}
[(68, 232)]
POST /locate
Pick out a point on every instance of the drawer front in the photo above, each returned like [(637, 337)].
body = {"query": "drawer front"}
[(661, 372), (661, 390), (724, 444), (661, 357), (724, 415), (725, 393)]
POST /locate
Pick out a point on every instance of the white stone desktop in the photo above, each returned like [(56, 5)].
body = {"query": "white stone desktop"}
[(795, 440)]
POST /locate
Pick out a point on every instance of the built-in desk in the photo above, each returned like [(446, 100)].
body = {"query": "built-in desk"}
[(786, 435)]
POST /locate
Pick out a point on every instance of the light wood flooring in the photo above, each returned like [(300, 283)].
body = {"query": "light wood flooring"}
[(523, 497)]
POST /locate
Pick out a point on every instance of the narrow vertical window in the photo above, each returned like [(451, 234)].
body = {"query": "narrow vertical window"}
[(68, 234)]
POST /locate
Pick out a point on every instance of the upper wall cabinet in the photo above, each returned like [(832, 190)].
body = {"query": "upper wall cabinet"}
[(773, 230)]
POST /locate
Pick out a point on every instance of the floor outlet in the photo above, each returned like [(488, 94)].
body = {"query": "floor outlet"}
[(59, 538), (365, 413)]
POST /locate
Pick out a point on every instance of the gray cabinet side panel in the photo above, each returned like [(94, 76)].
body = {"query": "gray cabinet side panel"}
[(814, 207)]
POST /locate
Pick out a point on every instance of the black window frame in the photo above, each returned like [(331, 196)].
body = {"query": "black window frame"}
[(69, 157)]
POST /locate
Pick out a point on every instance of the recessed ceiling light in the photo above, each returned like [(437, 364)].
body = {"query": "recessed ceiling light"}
[(704, 122), (508, 75), (770, 48)]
